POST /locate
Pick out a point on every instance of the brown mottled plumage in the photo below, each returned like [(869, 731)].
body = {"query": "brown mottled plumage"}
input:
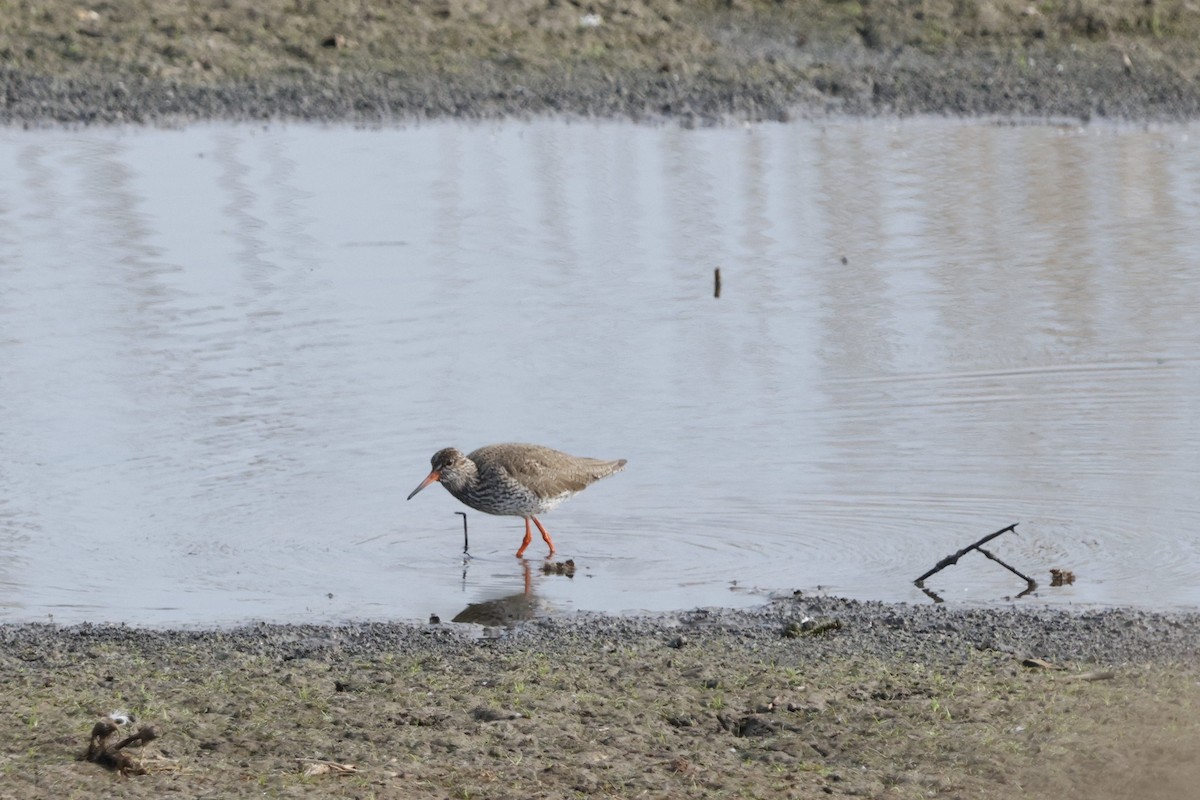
[(518, 480)]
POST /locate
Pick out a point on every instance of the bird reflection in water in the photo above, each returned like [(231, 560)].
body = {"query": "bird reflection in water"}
[(510, 610)]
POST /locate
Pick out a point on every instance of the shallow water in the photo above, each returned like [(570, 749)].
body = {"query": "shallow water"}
[(227, 353)]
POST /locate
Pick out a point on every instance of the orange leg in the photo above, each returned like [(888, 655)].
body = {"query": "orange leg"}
[(528, 538), (545, 535)]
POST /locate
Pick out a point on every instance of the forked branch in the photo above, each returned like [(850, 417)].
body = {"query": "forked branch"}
[(953, 558)]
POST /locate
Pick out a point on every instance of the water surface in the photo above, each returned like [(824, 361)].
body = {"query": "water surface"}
[(227, 353)]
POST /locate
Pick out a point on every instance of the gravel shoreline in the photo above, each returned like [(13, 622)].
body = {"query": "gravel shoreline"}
[(1060, 86), (1110, 636)]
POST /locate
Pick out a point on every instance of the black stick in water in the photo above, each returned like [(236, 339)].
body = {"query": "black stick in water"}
[(717, 282), (466, 548), (1007, 566), (954, 557)]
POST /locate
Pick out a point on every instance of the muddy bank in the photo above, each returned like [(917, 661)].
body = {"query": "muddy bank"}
[(803, 698), (643, 59)]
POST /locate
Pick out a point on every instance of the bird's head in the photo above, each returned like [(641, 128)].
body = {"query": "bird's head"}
[(448, 467)]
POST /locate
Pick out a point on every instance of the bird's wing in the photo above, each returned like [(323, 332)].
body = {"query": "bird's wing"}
[(545, 472)]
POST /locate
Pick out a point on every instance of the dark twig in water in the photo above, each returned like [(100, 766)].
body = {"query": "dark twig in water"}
[(954, 557), (466, 546), (1031, 583), (717, 282)]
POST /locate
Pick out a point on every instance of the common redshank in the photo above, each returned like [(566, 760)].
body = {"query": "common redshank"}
[(516, 480)]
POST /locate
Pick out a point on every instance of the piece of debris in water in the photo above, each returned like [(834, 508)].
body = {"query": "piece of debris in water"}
[(560, 568), (1061, 577)]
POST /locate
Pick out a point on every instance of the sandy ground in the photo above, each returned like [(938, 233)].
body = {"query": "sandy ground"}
[(802, 698)]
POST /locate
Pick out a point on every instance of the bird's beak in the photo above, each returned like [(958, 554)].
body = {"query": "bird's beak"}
[(433, 476)]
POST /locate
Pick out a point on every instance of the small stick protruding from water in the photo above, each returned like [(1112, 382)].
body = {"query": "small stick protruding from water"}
[(717, 282), (466, 547), (953, 558), (1032, 583)]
